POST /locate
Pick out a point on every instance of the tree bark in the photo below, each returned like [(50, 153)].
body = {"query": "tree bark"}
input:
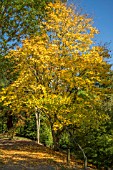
[(37, 115), (9, 121), (85, 158), (68, 156), (10, 125), (56, 138)]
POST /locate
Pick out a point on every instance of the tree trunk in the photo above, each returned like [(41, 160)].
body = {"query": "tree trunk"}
[(56, 138), (85, 158), (68, 156), (37, 114), (9, 121), (10, 125)]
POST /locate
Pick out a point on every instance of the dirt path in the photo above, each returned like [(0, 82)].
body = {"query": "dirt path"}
[(28, 155)]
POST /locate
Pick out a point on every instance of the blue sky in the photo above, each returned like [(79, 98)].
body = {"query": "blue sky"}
[(102, 13)]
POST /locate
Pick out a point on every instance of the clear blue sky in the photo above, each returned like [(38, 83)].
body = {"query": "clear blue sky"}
[(102, 13)]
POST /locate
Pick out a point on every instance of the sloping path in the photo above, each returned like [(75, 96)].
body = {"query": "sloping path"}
[(28, 155)]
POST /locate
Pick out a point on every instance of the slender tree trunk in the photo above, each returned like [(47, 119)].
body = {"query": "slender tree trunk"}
[(37, 114), (85, 158), (68, 156)]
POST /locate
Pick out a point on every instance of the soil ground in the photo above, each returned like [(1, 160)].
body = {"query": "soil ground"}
[(28, 155)]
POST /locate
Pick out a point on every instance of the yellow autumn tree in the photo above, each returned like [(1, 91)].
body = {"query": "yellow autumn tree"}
[(58, 70)]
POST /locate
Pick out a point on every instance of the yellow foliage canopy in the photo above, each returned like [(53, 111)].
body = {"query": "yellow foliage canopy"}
[(57, 65)]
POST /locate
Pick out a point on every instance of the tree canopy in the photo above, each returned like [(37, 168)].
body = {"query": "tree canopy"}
[(60, 66), (51, 66)]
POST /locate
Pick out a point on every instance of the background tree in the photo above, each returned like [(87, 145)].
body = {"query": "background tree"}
[(18, 20)]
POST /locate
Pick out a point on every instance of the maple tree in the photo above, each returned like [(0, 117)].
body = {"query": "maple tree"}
[(57, 71)]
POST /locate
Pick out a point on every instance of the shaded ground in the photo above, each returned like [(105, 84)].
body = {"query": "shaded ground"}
[(28, 155)]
